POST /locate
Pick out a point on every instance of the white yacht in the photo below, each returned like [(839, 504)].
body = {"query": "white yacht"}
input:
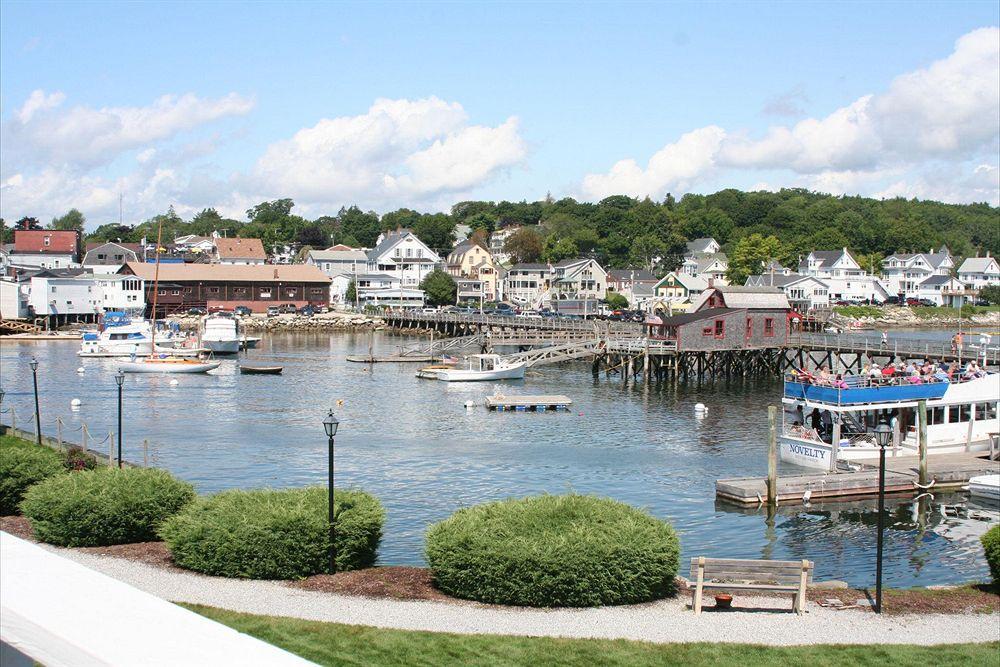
[(220, 333), (824, 424), (122, 336)]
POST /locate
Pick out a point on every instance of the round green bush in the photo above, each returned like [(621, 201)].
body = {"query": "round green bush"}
[(991, 545), (274, 534), (104, 506), (22, 466), (554, 551)]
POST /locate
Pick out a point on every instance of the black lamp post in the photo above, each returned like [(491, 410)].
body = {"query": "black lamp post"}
[(120, 380), (38, 415), (883, 434), (330, 424)]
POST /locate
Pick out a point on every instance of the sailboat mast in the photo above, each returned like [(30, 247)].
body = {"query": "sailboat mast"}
[(156, 287)]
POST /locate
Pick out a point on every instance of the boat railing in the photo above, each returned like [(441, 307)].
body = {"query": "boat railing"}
[(971, 347), (848, 382)]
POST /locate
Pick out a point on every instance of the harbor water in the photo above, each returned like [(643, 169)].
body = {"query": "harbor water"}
[(416, 446)]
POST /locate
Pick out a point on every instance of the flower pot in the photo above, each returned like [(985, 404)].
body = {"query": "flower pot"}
[(723, 601)]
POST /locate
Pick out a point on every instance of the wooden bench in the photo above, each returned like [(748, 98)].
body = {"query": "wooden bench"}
[(775, 576)]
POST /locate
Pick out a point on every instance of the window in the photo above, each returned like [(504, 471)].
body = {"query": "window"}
[(964, 413), (162, 292), (239, 290), (991, 410), (100, 256), (213, 290), (935, 416), (175, 292), (720, 328), (53, 288), (707, 331), (47, 242), (768, 326), (980, 411), (953, 414), (749, 327), (265, 292)]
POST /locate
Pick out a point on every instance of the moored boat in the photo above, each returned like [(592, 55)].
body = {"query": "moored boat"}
[(220, 333), (834, 420), (986, 487), (481, 367), (168, 364), (261, 370)]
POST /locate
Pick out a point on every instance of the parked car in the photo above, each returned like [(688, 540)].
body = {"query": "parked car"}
[(428, 311), (197, 310), (307, 310), (273, 311), (287, 308), (926, 302), (242, 311), (506, 309), (912, 302)]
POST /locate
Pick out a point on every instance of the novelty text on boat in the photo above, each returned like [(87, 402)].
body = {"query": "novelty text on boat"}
[(824, 424)]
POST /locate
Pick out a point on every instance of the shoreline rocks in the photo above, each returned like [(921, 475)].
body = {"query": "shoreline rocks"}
[(335, 321)]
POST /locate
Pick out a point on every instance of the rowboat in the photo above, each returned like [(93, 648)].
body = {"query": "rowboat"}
[(261, 370)]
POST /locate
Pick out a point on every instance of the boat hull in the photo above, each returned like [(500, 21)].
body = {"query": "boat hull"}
[(222, 346), (261, 370), (460, 375), (168, 366), (986, 487)]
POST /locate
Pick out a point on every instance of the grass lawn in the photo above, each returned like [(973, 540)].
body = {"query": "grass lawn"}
[(336, 644)]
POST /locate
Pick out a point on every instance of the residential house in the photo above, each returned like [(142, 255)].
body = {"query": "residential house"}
[(979, 272), (194, 243), (239, 251), (944, 291), (805, 293), (383, 289), (226, 286), (110, 257), (704, 246), (710, 267), (727, 318), (15, 297), (471, 261), (624, 282), (677, 291), (45, 249), (579, 279), (62, 294), (402, 255), (342, 263), (902, 273), (527, 284), (498, 240), (844, 277)]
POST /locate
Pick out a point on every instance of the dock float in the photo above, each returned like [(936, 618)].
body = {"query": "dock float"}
[(526, 403), (949, 472), (392, 358)]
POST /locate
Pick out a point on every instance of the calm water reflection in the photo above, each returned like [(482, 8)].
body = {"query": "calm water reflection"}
[(413, 444)]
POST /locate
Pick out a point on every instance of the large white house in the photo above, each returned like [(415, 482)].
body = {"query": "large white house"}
[(402, 255), (68, 293), (902, 273), (526, 284), (979, 272), (578, 279), (476, 265), (704, 259), (382, 289), (805, 293), (844, 277)]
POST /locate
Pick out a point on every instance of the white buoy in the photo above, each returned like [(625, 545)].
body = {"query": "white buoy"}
[(470, 404), (75, 403), (174, 382), (700, 407), (80, 370)]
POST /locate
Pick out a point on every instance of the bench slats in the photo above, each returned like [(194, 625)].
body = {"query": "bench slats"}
[(748, 577), (756, 587), (756, 564), (780, 576)]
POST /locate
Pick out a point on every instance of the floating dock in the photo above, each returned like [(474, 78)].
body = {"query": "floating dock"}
[(391, 358), (950, 472), (528, 403)]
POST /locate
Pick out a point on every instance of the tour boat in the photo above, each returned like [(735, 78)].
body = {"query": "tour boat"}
[(985, 486), (220, 333), (824, 424), (480, 367)]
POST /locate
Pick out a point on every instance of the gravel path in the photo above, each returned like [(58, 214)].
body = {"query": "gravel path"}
[(664, 621)]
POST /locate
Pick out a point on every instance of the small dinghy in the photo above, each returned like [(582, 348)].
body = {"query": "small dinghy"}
[(261, 370)]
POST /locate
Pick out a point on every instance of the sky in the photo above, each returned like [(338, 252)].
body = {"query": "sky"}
[(422, 105)]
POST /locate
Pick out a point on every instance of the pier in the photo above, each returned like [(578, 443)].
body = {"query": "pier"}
[(949, 472)]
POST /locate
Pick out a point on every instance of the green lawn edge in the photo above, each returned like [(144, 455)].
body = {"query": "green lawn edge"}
[(339, 644)]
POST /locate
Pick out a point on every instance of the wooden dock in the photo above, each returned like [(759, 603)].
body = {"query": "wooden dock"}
[(950, 471), (391, 358), (526, 403)]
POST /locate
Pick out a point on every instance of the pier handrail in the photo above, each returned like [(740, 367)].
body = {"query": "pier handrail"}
[(898, 347)]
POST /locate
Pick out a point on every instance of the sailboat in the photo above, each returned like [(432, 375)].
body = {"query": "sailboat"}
[(164, 362)]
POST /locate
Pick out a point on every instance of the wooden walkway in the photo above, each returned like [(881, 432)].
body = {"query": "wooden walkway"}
[(951, 471), (524, 403)]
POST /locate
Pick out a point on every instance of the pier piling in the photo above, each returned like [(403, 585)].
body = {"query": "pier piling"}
[(772, 456)]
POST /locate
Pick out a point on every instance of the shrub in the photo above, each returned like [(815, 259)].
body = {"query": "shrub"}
[(991, 545), (274, 534), (104, 506), (554, 551), (23, 464)]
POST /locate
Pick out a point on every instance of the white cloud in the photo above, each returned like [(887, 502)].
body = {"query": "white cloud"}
[(42, 133), (400, 152), (948, 111)]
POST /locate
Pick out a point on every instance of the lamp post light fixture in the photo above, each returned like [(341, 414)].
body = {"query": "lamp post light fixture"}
[(883, 434), (120, 380), (38, 415), (330, 424)]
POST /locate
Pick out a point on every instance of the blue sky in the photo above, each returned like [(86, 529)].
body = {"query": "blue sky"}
[(524, 99)]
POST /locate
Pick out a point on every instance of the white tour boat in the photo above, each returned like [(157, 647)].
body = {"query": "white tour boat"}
[(824, 424), (220, 333), (480, 367)]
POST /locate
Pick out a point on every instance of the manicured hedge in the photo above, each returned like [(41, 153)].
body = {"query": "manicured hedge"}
[(554, 551), (991, 545), (274, 534), (104, 506), (23, 464)]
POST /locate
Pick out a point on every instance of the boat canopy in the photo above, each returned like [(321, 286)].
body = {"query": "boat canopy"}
[(866, 395)]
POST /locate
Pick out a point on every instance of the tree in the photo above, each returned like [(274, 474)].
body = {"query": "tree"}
[(72, 221), (26, 223), (113, 232), (616, 301), (481, 238), (351, 294), (560, 250), (313, 235), (751, 255), (524, 246), (358, 225), (991, 293), (436, 230), (439, 288), (646, 250)]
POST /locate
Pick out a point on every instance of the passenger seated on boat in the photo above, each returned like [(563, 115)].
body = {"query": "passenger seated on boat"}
[(839, 382), (941, 376), (824, 378), (888, 371)]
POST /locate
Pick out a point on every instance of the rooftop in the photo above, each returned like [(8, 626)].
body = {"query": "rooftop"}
[(269, 273), (240, 248)]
